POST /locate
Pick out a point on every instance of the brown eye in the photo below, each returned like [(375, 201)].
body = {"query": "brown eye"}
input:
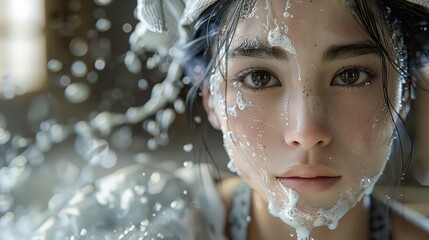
[(349, 76), (259, 79), (353, 77)]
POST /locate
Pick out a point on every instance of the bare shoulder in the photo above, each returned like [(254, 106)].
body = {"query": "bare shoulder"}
[(404, 229), (226, 189)]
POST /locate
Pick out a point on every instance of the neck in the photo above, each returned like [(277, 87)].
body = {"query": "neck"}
[(354, 225)]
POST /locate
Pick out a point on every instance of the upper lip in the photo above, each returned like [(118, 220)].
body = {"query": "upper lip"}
[(309, 171)]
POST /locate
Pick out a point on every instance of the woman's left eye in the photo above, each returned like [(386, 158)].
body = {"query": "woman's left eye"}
[(353, 77)]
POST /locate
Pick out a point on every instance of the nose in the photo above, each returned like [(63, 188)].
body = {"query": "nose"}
[(307, 126)]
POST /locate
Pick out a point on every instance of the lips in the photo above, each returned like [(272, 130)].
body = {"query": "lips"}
[(309, 178)]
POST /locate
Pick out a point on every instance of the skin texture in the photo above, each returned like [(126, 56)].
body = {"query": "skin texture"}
[(304, 128)]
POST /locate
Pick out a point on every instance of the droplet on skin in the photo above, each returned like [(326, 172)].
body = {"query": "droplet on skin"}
[(286, 12)]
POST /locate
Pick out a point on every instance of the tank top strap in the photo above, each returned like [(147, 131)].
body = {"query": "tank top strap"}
[(239, 214), (380, 220)]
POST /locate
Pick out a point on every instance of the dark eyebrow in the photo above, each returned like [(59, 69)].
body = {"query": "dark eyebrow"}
[(350, 50), (257, 49)]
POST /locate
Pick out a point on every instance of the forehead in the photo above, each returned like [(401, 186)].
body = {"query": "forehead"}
[(302, 20)]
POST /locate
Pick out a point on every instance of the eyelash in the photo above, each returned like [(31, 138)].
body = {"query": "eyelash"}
[(372, 75), (239, 78)]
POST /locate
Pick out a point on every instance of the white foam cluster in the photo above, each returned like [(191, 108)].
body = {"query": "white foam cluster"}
[(277, 39)]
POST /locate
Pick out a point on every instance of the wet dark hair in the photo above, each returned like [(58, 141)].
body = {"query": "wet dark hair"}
[(217, 24)]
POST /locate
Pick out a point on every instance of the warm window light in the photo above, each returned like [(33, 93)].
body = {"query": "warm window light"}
[(22, 46)]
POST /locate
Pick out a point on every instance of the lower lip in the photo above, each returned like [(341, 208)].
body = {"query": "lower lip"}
[(316, 184)]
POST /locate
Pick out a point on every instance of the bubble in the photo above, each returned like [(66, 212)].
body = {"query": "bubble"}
[(103, 2), (77, 92), (103, 24), (78, 47), (79, 69), (55, 65)]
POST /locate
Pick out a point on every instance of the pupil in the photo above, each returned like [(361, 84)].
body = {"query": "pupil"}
[(350, 76), (260, 79)]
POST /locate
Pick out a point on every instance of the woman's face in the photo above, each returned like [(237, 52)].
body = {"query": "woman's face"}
[(302, 108)]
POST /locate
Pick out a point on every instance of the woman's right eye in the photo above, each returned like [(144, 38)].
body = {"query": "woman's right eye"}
[(257, 79)]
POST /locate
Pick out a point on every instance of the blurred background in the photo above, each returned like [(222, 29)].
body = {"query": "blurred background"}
[(67, 79)]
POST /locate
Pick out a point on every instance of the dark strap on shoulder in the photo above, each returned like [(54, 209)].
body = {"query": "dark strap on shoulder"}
[(239, 214), (380, 221)]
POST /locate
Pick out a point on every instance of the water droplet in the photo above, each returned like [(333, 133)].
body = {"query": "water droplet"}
[(151, 144), (78, 47), (96, 151), (152, 128), (197, 119), (188, 147), (165, 118), (103, 24), (55, 65), (6, 202), (132, 62), (179, 106), (4, 136), (122, 138), (365, 182), (77, 92), (157, 207), (143, 85), (83, 232), (100, 64), (79, 69), (127, 197), (64, 81), (103, 2), (127, 28), (140, 190), (92, 77)]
